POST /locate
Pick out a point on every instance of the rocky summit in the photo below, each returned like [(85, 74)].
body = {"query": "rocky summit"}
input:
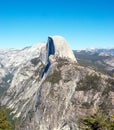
[(61, 49), (49, 90), (58, 47)]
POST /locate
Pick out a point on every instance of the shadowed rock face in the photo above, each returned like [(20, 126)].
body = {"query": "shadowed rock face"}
[(57, 46), (50, 47), (50, 50)]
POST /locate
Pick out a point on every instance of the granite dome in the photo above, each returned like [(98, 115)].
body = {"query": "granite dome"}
[(59, 47)]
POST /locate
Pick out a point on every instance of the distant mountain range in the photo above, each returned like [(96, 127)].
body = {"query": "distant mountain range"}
[(102, 52), (99, 59)]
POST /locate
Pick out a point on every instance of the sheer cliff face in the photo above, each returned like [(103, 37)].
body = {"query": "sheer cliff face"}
[(56, 100), (58, 47)]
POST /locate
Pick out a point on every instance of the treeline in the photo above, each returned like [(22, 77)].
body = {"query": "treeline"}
[(5, 124), (97, 121)]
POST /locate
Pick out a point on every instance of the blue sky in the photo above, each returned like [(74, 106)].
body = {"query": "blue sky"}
[(83, 23)]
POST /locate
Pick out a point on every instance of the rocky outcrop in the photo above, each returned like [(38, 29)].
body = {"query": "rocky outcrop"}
[(14, 58), (58, 48)]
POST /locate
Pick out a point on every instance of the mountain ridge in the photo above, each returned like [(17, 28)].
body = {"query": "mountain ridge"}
[(56, 100)]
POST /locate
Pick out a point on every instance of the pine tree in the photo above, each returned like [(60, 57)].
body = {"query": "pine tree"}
[(4, 123), (97, 121)]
